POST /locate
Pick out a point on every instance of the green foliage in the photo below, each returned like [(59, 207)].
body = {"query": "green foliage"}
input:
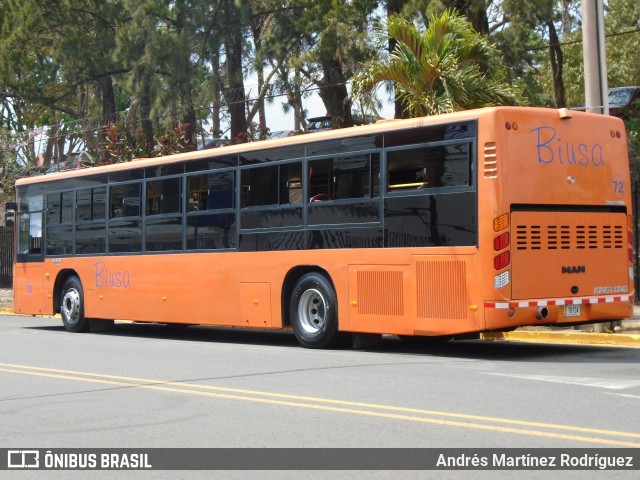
[(447, 68), (632, 124)]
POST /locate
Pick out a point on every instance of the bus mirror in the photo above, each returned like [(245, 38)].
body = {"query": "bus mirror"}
[(9, 218)]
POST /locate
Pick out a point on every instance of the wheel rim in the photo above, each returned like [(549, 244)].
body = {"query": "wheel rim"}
[(71, 306), (312, 311)]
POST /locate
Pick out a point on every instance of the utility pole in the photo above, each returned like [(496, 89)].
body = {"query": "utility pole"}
[(596, 90), (595, 57)]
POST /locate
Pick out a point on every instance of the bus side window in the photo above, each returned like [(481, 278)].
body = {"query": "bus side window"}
[(320, 180), (163, 196), (125, 200), (352, 177), (290, 183), (30, 216), (260, 186), (210, 191), (429, 167)]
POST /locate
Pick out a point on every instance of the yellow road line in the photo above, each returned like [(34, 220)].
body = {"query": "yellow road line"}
[(288, 400)]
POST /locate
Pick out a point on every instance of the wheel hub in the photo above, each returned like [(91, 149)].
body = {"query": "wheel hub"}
[(312, 311), (71, 306)]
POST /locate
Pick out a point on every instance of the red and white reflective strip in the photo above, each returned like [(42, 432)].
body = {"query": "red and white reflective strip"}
[(558, 301)]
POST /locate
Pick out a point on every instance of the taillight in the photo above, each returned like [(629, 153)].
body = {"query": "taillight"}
[(502, 260), (501, 222), (501, 241)]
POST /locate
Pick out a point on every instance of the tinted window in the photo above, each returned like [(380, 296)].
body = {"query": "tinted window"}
[(224, 161), (90, 204), (163, 196), (211, 231), (272, 185), (343, 178), (435, 133), (164, 170), (210, 191), (260, 186), (60, 208), (125, 200), (125, 236), (163, 233), (429, 167), (289, 152)]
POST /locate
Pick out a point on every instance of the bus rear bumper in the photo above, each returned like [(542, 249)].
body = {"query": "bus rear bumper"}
[(500, 315)]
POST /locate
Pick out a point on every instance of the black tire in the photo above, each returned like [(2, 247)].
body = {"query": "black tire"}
[(313, 311), (72, 306)]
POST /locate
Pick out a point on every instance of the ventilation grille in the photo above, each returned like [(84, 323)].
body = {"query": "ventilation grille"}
[(441, 289), (380, 293), (569, 237), (490, 160)]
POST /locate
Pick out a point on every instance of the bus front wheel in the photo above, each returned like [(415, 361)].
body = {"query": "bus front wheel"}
[(314, 312), (72, 306)]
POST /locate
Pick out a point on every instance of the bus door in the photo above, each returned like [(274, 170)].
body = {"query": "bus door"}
[(28, 272)]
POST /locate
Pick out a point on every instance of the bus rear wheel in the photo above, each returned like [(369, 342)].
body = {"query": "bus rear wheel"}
[(314, 312), (72, 306)]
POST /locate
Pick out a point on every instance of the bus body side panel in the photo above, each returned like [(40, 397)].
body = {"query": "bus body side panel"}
[(413, 293), (166, 289), (28, 292), (433, 295)]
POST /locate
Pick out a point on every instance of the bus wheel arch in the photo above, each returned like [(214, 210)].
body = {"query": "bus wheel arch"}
[(310, 301)]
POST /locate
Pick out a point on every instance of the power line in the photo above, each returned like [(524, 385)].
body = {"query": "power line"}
[(573, 42)]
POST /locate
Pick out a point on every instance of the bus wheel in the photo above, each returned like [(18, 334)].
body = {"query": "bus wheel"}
[(72, 306), (313, 311)]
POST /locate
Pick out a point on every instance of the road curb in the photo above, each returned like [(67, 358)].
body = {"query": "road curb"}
[(583, 338)]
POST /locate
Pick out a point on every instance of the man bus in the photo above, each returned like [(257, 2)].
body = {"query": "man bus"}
[(475, 221)]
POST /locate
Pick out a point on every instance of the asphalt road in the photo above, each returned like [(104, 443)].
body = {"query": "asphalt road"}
[(146, 386)]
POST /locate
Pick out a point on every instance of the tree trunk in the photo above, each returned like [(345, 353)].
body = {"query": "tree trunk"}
[(334, 95), (474, 10), (145, 110), (394, 7), (107, 100), (555, 54), (234, 95), (107, 110), (217, 88)]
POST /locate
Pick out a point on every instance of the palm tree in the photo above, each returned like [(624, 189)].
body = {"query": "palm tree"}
[(447, 68)]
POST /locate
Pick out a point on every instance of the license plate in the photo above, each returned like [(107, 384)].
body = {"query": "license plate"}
[(572, 310)]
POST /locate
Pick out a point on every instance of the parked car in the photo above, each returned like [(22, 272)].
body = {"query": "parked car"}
[(622, 100), (73, 161), (319, 124), (213, 143), (281, 134)]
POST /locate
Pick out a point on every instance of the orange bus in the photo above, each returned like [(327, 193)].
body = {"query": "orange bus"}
[(476, 221)]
